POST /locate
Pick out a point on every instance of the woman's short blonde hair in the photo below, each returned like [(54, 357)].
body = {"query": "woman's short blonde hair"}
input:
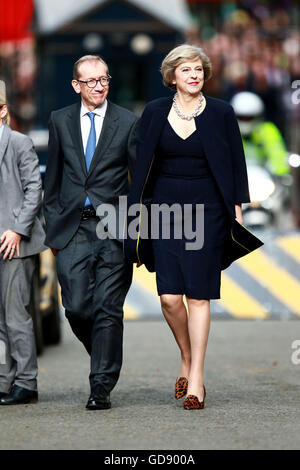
[(179, 55)]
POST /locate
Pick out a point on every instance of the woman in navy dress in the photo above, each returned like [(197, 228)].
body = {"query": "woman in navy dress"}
[(197, 160)]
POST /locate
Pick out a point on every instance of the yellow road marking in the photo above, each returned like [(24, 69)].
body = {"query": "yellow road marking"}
[(238, 302), (279, 282), (290, 244), (129, 312), (145, 279)]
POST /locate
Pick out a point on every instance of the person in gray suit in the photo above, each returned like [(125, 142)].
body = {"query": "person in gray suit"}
[(91, 151), (21, 238)]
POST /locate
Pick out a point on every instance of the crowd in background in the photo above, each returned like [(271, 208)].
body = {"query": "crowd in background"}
[(256, 50), (254, 46)]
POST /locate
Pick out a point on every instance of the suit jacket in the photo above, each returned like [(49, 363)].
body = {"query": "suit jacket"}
[(20, 191), (220, 137), (67, 182)]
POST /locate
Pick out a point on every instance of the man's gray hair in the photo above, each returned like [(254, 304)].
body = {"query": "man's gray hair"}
[(86, 58)]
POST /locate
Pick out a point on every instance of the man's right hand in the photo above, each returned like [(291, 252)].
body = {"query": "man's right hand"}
[(54, 251), (10, 241)]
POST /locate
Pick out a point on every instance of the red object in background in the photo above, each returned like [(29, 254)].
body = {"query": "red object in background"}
[(15, 19)]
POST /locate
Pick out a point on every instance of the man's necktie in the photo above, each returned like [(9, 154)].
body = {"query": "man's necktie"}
[(90, 148)]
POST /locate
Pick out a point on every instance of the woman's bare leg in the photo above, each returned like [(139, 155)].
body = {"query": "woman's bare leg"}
[(198, 327), (175, 313)]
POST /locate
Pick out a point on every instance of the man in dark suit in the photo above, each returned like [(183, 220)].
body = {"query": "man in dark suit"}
[(91, 149)]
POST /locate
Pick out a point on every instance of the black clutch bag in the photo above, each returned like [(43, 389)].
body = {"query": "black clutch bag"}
[(239, 242)]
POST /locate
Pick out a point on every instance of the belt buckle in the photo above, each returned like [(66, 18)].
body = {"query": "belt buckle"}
[(88, 213), (85, 214)]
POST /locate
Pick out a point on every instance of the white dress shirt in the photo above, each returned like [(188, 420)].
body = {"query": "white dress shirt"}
[(85, 122)]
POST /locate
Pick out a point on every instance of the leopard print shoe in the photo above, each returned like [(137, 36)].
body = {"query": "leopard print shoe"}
[(181, 386), (192, 403)]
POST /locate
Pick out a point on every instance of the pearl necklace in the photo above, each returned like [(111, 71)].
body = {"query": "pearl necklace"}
[(186, 116)]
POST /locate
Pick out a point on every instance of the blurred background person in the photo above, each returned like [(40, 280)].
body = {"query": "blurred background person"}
[(21, 237), (263, 142)]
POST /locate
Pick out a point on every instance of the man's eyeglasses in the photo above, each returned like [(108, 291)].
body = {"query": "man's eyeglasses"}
[(92, 83)]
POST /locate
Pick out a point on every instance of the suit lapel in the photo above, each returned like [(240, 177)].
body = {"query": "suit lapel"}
[(158, 120), (109, 130), (4, 141), (212, 144), (148, 145), (75, 132), (207, 134)]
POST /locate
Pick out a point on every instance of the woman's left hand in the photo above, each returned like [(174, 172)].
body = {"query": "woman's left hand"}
[(10, 241), (238, 213)]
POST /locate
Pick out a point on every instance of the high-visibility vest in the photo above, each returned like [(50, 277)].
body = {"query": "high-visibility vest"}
[(266, 145)]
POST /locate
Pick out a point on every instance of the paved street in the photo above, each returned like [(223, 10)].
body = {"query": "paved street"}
[(253, 399)]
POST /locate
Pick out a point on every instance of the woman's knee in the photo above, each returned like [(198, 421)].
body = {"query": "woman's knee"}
[(197, 302), (171, 301)]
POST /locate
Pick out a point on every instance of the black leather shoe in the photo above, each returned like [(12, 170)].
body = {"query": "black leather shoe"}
[(2, 395), (19, 396), (99, 402)]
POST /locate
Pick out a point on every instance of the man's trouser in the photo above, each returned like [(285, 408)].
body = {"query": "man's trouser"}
[(95, 279), (18, 361)]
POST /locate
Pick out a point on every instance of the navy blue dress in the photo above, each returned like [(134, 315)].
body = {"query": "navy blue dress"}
[(184, 177)]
